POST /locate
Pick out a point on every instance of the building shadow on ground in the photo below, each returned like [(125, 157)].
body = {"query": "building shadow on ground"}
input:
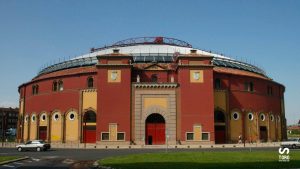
[(216, 165)]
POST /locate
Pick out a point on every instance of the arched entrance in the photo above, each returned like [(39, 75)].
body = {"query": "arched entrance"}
[(263, 133), (220, 127), (155, 129), (89, 127)]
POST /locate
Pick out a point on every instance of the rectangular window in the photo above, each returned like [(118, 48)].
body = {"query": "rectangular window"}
[(190, 136), (121, 136), (217, 83), (270, 90), (205, 136), (246, 86), (105, 136), (249, 86)]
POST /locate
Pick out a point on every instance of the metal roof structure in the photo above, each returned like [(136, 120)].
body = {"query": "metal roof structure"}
[(150, 49), (146, 41)]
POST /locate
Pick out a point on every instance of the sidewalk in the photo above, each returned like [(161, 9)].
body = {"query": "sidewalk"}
[(97, 146)]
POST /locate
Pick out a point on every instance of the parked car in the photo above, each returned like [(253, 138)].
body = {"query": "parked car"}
[(292, 143), (38, 145)]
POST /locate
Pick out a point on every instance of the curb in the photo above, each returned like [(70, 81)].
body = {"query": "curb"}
[(164, 147), (10, 161)]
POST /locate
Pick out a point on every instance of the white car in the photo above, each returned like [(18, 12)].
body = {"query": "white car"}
[(293, 143), (38, 145)]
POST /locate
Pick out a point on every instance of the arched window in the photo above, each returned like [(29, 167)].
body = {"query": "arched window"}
[(55, 86), (60, 85), (35, 89), (219, 117), (90, 82), (217, 83), (154, 78), (89, 117)]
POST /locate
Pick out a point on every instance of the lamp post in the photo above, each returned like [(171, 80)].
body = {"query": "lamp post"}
[(84, 128)]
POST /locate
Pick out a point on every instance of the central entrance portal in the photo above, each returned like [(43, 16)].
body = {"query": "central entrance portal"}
[(155, 129)]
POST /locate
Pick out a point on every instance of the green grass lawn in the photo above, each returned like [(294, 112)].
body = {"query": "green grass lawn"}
[(7, 158), (193, 160)]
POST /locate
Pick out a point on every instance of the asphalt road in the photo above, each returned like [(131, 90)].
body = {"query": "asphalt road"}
[(82, 158)]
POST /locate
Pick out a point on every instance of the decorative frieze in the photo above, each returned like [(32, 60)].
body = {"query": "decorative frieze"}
[(90, 90), (155, 85)]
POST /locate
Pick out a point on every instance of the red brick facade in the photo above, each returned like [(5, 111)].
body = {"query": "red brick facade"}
[(195, 100)]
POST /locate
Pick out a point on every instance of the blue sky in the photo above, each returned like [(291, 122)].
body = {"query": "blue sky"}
[(267, 33)]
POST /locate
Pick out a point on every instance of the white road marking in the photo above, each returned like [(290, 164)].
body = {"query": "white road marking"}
[(10, 166), (68, 161), (35, 159), (17, 163), (50, 157)]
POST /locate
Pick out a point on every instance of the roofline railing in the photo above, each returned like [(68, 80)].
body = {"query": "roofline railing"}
[(145, 41)]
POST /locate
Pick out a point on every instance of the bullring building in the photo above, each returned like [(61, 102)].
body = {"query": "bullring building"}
[(148, 91)]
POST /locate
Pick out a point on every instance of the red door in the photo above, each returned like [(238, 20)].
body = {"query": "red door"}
[(155, 133), (89, 134), (220, 134), (43, 132)]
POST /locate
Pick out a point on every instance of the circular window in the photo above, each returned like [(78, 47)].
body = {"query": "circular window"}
[(56, 117), (235, 115), (26, 118), (250, 116), (33, 118), (272, 117), (72, 116), (262, 117), (43, 117)]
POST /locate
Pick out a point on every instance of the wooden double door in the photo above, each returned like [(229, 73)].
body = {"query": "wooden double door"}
[(263, 134), (220, 134), (155, 130), (43, 132), (89, 134)]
